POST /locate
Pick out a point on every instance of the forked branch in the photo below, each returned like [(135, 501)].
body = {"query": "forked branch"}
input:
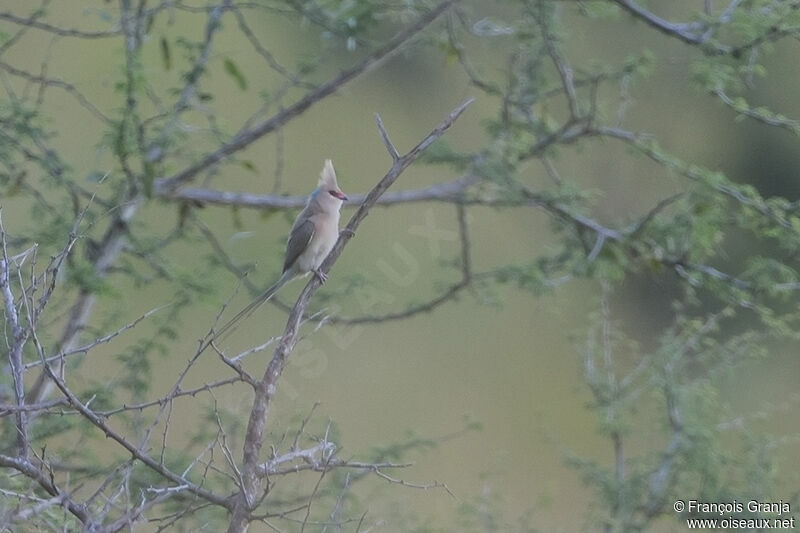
[(266, 387)]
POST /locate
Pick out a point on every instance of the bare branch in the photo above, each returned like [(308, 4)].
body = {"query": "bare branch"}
[(447, 191), (151, 463), (60, 84), (246, 138), (266, 388), (107, 253), (181, 393), (32, 407), (263, 52), (40, 476), (99, 340), (32, 22), (424, 486), (686, 32), (18, 338), (386, 141)]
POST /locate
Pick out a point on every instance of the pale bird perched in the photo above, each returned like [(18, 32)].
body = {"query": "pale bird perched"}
[(311, 239)]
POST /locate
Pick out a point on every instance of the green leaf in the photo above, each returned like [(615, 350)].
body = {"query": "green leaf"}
[(149, 176), (166, 55), (249, 165), (233, 71), (236, 214)]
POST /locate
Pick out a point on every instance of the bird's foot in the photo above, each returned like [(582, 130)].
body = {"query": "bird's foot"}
[(348, 232), (321, 276)]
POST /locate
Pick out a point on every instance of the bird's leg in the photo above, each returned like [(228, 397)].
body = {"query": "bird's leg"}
[(322, 276)]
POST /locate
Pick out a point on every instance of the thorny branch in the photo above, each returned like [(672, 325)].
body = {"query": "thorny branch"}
[(113, 242), (139, 147), (137, 157), (266, 388), (17, 341)]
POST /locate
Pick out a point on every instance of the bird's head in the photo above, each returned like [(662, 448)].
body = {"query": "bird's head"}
[(327, 186)]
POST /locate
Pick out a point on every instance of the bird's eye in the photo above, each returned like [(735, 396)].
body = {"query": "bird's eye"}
[(333, 193)]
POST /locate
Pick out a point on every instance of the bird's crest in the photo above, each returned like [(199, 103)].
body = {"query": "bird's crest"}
[(327, 178)]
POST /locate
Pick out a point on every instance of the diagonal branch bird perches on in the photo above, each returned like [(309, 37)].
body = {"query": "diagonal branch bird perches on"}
[(266, 387)]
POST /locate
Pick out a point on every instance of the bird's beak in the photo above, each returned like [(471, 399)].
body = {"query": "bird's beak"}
[(339, 194)]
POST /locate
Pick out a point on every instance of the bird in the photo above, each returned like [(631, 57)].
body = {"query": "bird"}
[(313, 234)]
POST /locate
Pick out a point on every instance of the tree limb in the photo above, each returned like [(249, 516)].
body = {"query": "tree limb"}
[(246, 138), (266, 387)]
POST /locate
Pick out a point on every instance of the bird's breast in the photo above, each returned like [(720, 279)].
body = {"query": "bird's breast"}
[(326, 231)]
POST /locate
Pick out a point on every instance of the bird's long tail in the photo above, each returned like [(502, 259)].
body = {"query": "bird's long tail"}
[(231, 324)]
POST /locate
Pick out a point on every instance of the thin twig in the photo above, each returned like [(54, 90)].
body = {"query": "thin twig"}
[(246, 138), (386, 141), (266, 388)]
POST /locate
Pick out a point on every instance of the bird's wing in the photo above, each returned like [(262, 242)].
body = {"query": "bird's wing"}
[(298, 241)]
